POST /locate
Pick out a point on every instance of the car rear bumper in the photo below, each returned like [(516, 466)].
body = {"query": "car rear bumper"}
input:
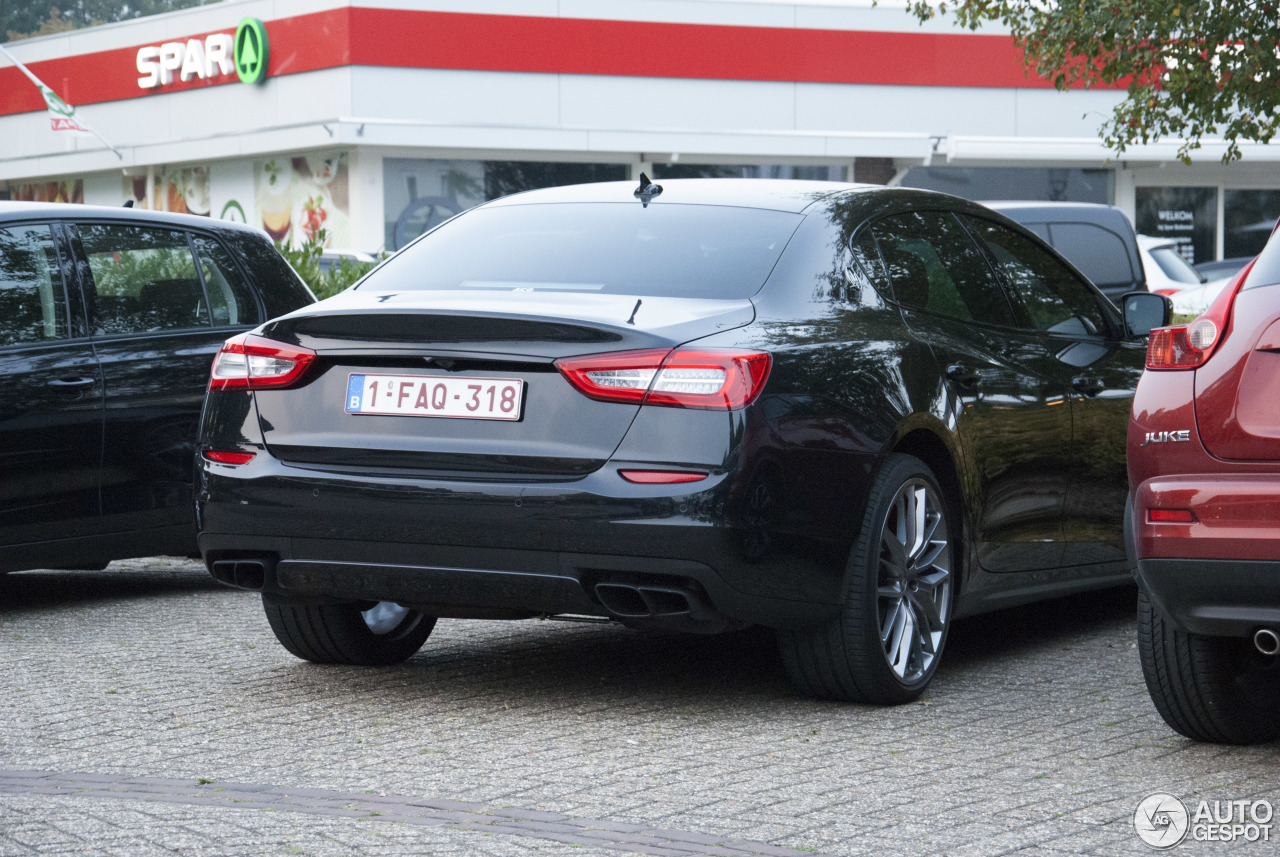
[(510, 549), (1234, 517), (1219, 574), (1221, 598)]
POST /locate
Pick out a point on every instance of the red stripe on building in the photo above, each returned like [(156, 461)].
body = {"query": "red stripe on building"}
[(515, 43), (402, 39)]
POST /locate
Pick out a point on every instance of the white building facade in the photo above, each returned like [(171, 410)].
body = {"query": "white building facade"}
[(373, 119)]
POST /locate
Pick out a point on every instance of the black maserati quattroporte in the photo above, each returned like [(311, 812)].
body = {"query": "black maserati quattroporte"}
[(849, 413)]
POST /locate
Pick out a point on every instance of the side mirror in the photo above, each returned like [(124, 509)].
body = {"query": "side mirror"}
[(1145, 311)]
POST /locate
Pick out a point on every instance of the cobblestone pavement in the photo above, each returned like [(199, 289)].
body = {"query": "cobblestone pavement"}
[(146, 711)]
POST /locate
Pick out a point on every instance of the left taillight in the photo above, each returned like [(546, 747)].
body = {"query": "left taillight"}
[(720, 379), (1189, 346), (250, 362)]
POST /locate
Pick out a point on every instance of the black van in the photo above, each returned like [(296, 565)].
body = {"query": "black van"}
[(1097, 239)]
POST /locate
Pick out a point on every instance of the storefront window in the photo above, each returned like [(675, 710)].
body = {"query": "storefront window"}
[(1248, 218), (764, 171), (1188, 215), (421, 194)]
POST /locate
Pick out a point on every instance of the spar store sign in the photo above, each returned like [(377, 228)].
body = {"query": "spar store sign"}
[(215, 56)]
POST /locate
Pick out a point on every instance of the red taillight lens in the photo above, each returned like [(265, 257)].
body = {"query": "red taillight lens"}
[(623, 376), (1170, 348), (1170, 516), (702, 378), (661, 477), (224, 457), (248, 362), (1191, 345)]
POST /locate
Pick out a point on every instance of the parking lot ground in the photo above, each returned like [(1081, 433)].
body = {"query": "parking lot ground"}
[(145, 711)]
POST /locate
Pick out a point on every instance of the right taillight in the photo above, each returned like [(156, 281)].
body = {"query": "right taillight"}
[(700, 378), (1189, 346), (249, 362)]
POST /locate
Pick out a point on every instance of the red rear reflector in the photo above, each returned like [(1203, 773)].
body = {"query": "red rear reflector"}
[(661, 477), (249, 362), (1170, 516), (702, 378), (222, 457)]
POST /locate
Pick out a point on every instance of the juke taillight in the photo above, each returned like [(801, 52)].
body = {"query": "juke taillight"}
[(1189, 346), (718, 379), (249, 362)]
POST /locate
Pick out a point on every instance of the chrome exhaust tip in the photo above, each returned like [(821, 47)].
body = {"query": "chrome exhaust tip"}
[(1266, 641)]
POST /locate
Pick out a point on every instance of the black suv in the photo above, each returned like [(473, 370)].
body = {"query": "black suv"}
[(109, 319)]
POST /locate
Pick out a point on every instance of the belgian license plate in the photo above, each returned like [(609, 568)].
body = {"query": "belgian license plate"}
[(435, 396)]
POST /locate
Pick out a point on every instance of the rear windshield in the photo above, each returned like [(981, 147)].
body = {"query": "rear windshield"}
[(1175, 267), (694, 251)]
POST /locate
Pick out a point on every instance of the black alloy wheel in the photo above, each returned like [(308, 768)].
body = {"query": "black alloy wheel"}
[(885, 646)]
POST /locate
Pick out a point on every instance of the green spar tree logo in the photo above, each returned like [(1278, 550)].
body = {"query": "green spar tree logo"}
[(251, 50)]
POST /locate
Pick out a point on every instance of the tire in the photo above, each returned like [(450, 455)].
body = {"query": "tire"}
[(1215, 689), (359, 633), (897, 581)]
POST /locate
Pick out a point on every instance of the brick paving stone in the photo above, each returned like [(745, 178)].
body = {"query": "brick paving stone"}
[(1038, 739)]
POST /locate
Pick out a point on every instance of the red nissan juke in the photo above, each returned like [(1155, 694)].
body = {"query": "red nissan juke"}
[(1204, 522)]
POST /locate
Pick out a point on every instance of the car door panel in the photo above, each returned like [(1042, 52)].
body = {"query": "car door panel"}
[(1013, 421), (51, 395), (1100, 371), (147, 294)]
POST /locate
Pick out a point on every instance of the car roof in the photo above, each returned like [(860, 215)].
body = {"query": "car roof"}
[(1055, 212), (11, 210), (1155, 242), (775, 194)]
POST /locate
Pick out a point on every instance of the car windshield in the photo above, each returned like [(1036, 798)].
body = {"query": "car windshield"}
[(662, 250), (1174, 266)]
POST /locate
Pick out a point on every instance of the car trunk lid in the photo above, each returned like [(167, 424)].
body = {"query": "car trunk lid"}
[(425, 349)]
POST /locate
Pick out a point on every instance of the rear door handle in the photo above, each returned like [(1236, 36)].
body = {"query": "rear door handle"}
[(963, 375), (1088, 385), (72, 383)]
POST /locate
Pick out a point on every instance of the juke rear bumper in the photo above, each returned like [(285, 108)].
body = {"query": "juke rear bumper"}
[(1219, 574)]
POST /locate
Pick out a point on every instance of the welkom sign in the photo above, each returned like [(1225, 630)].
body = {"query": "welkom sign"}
[(217, 55)]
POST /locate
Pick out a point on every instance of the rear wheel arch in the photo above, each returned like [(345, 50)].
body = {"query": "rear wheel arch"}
[(928, 446)]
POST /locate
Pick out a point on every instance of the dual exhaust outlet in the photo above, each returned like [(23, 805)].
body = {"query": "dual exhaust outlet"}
[(675, 607)]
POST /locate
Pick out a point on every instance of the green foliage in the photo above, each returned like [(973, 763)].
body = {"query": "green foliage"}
[(22, 20), (1190, 68), (305, 259), (123, 273)]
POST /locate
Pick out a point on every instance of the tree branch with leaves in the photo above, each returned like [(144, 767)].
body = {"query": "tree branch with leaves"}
[(1192, 70)]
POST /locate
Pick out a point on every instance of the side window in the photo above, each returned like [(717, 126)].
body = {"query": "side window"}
[(229, 296), (1053, 298), (144, 279), (281, 289), (33, 306), (1099, 253), (934, 265), (865, 264)]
